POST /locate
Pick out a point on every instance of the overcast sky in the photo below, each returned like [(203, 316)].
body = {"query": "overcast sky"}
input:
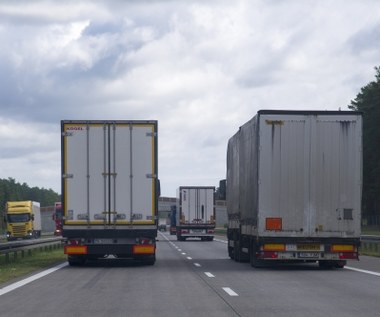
[(201, 68)]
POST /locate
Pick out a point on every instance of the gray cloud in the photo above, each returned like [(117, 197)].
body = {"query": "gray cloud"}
[(201, 68), (365, 40)]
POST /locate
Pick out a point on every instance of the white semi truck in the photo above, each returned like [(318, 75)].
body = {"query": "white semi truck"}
[(196, 208), (110, 189), (294, 182)]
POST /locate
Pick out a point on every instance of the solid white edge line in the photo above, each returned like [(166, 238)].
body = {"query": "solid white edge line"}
[(229, 291), (361, 271), (208, 274), (30, 279)]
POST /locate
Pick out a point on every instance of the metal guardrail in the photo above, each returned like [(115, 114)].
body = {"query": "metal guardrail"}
[(370, 238), (370, 244), (20, 247)]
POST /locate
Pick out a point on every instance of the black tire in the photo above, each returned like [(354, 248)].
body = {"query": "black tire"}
[(237, 251), (75, 260), (340, 264), (151, 260), (239, 255), (326, 265), (230, 251), (254, 261)]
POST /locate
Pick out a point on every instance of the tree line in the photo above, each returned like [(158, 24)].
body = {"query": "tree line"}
[(368, 102), (10, 190)]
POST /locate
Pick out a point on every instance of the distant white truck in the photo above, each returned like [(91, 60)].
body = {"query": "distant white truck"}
[(110, 189), (294, 182), (196, 207)]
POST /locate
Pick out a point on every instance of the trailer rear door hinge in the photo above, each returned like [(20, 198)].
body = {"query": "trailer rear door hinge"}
[(68, 176), (154, 134), (151, 176), (67, 134), (109, 174)]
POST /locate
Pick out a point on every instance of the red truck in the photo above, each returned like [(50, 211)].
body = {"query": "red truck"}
[(58, 218)]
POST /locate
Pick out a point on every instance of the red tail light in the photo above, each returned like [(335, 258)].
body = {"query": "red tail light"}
[(74, 242), (144, 241), (267, 254), (348, 256)]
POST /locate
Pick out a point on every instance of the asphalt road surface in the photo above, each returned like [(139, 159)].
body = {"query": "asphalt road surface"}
[(195, 278)]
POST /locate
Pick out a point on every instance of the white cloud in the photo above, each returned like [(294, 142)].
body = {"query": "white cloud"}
[(30, 152), (201, 68)]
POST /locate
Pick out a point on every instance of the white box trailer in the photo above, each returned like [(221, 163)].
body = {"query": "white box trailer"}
[(294, 182), (196, 205), (110, 189)]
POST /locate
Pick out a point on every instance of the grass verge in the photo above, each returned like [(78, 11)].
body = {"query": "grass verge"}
[(29, 263)]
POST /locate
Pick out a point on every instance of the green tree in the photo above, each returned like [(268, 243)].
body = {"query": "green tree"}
[(10, 190), (368, 101)]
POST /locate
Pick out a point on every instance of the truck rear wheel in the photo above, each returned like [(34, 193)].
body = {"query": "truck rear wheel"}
[(254, 261), (340, 264), (332, 264), (151, 260), (76, 260), (236, 251)]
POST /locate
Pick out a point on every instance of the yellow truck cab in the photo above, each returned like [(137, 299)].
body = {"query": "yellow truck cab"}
[(23, 219)]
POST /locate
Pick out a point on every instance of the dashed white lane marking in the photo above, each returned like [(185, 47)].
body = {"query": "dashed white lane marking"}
[(220, 240), (208, 274), (30, 279), (183, 253), (179, 250), (362, 271), (229, 291), (197, 264), (189, 258)]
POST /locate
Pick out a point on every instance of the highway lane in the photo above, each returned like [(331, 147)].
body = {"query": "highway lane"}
[(291, 290), (114, 288), (194, 278)]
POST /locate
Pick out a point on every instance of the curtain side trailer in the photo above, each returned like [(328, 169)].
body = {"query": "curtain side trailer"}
[(294, 182), (110, 189)]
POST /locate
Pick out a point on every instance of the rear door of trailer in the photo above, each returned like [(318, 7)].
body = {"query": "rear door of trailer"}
[(309, 174), (109, 173)]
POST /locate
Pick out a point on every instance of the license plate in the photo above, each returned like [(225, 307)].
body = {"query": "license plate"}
[(103, 241), (197, 231), (308, 255), (308, 247)]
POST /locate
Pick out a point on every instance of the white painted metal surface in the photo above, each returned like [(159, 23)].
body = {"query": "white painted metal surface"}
[(303, 167), (109, 173), (309, 174), (196, 205)]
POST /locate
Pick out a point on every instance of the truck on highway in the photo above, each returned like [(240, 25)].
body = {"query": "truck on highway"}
[(58, 218), (294, 182), (173, 220), (23, 219), (196, 207), (110, 189)]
